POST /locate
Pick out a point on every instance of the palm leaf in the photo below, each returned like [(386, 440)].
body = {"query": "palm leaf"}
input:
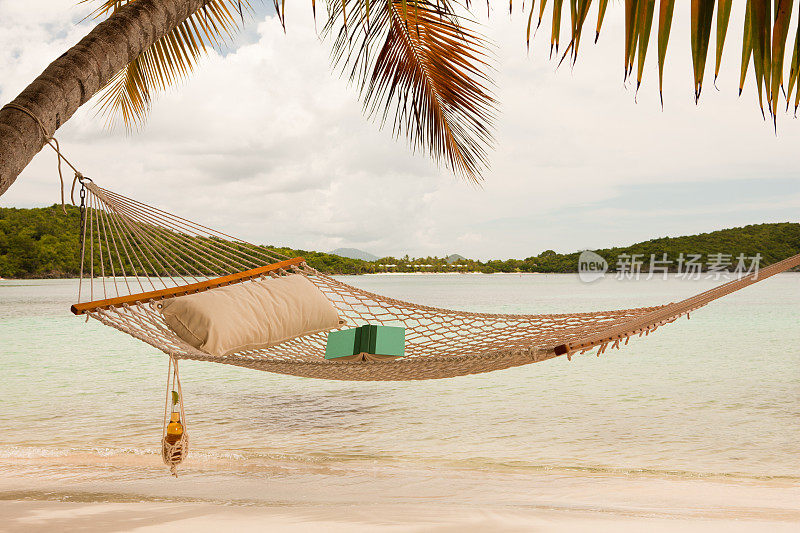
[(542, 6), (767, 26), (723, 17), (702, 18), (747, 45), (429, 69), (645, 24), (783, 14), (528, 30), (556, 28), (583, 12), (665, 12), (793, 70), (579, 9), (573, 19), (631, 32), (129, 94), (422, 60), (760, 20), (601, 13)]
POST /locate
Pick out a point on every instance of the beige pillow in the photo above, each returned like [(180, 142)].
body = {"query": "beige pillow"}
[(250, 315)]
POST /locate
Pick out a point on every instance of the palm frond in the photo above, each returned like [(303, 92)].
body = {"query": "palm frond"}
[(702, 18), (419, 59), (666, 9), (723, 17), (780, 32), (128, 96), (747, 45), (601, 14), (793, 71), (646, 9), (631, 28), (768, 24), (555, 33)]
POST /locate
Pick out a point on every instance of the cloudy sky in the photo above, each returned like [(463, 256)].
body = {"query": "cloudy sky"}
[(267, 142)]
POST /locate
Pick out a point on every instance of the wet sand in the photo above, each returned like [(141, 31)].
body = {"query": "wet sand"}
[(27, 516), (356, 498)]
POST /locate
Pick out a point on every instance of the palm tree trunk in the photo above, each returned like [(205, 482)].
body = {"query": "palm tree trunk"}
[(72, 79)]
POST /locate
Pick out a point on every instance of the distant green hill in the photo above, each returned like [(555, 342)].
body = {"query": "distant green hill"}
[(40, 242), (43, 242), (773, 241)]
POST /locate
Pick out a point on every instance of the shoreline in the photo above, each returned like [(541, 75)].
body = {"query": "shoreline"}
[(207, 461), (329, 499), (141, 476), (19, 516)]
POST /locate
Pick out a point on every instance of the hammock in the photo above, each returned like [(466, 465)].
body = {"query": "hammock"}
[(133, 256)]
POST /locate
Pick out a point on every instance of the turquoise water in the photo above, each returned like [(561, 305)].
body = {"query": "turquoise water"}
[(718, 395)]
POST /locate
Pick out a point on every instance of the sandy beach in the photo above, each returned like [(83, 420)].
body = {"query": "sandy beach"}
[(135, 494), (552, 502), (201, 518)]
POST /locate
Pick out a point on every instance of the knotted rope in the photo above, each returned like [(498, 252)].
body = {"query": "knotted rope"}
[(53, 143), (174, 453)]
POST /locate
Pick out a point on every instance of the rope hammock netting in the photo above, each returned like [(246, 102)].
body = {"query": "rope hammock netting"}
[(134, 256)]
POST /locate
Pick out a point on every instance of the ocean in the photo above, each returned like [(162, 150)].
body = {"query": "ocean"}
[(715, 397)]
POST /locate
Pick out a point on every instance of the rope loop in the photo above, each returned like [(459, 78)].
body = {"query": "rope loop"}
[(79, 178), (81, 228), (50, 140), (31, 114)]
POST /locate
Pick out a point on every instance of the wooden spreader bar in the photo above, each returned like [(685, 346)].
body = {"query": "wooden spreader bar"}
[(81, 308)]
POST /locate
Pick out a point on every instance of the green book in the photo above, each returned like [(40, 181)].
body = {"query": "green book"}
[(389, 341), (366, 339), (341, 343), (366, 343)]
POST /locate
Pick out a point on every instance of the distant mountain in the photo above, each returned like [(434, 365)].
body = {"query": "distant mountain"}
[(452, 258), (354, 253)]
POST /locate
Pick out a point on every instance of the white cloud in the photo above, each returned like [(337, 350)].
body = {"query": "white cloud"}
[(267, 144)]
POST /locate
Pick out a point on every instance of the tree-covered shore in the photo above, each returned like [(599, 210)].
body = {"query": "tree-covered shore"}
[(44, 243)]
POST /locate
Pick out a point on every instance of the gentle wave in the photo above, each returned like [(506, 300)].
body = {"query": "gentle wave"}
[(227, 461)]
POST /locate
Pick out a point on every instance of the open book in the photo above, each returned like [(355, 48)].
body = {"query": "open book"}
[(366, 343)]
